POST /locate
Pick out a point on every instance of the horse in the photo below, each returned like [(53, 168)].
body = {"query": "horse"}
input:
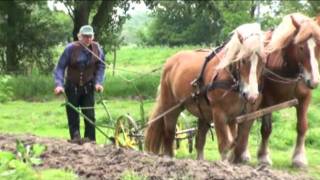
[(236, 69), (293, 72)]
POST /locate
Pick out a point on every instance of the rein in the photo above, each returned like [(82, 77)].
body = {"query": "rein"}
[(281, 79)]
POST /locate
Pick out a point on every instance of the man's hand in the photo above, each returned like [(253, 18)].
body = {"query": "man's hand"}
[(58, 90), (99, 88)]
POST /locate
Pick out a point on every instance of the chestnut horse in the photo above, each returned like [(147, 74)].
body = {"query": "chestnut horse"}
[(293, 65), (238, 64)]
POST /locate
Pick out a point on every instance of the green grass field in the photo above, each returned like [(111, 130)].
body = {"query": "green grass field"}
[(33, 109)]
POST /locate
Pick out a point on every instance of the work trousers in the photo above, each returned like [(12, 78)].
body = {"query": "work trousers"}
[(80, 96)]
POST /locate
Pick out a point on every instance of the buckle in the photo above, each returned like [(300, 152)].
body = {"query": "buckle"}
[(81, 83)]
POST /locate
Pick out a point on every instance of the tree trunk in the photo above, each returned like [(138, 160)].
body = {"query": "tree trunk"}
[(253, 8), (12, 64), (81, 15), (102, 17)]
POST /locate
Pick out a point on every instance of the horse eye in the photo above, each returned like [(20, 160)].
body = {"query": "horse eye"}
[(245, 62), (301, 48)]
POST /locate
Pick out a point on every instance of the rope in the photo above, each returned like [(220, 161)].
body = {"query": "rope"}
[(281, 79), (117, 69)]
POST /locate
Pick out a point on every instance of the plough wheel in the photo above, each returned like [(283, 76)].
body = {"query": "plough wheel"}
[(126, 134)]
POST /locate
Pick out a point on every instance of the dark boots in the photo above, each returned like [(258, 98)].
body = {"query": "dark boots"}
[(76, 139)]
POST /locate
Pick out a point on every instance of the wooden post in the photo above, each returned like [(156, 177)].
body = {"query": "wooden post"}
[(266, 110)]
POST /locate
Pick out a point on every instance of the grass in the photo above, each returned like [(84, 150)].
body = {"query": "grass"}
[(54, 174), (132, 57), (48, 119), (131, 175)]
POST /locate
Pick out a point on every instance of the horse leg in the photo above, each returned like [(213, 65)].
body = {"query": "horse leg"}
[(299, 157), (203, 128), (233, 128), (240, 152), (224, 136), (170, 122), (266, 129)]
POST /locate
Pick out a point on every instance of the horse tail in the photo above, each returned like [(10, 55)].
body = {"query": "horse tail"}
[(155, 130)]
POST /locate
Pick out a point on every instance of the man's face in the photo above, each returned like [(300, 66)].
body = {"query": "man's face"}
[(86, 39)]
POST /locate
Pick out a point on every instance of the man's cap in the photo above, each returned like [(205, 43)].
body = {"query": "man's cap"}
[(86, 30)]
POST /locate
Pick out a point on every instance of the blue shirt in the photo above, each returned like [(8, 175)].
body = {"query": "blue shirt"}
[(83, 60)]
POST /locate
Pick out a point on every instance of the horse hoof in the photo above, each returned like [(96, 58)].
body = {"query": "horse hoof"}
[(265, 161), (200, 158), (299, 165), (299, 162), (245, 158), (239, 160)]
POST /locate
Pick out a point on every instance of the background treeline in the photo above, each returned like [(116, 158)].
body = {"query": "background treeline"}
[(33, 33)]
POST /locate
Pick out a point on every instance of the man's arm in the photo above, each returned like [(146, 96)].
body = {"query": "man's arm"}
[(101, 68), (61, 66)]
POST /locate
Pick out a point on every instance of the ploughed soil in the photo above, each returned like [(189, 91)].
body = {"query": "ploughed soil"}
[(91, 161)]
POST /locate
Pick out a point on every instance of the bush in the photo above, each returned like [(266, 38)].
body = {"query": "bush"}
[(5, 90), (33, 87)]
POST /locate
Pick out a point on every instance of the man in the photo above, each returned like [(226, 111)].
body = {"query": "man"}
[(83, 60)]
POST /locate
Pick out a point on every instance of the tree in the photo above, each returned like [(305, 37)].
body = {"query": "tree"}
[(278, 9), (183, 22), (235, 13), (210, 22), (25, 28), (315, 7), (197, 22), (11, 12), (106, 17)]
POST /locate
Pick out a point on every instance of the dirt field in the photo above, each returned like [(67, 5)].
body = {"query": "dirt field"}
[(92, 161)]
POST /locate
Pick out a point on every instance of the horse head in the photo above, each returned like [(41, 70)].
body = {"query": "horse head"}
[(298, 36), (244, 52)]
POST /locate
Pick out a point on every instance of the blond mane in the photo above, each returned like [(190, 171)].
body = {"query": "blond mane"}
[(285, 31), (246, 40)]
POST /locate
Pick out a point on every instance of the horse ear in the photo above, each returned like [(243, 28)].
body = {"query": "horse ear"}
[(294, 22), (240, 37)]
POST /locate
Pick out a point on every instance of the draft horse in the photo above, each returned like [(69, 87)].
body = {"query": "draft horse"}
[(237, 66), (293, 72)]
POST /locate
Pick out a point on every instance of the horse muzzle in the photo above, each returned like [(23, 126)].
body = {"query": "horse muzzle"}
[(312, 84), (250, 97)]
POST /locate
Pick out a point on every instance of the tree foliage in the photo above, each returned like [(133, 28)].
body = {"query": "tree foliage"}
[(29, 31), (183, 22), (210, 22), (106, 17), (196, 22), (315, 7)]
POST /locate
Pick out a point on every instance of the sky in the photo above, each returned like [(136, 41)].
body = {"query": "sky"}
[(136, 7), (58, 5)]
